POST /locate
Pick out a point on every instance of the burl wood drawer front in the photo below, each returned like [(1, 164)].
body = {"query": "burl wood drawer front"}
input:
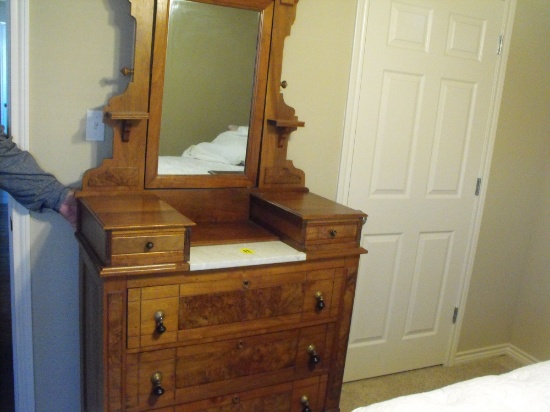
[(248, 302), (291, 397), (198, 372), (147, 247)]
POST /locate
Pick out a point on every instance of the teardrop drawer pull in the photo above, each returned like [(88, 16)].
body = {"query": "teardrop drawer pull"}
[(156, 380), (320, 301), (314, 357), (332, 233), (159, 319), (305, 403)]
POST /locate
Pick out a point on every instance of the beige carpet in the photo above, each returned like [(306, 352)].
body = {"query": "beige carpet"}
[(365, 392)]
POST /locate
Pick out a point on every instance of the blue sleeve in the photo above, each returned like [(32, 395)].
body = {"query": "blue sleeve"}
[(25, 181)]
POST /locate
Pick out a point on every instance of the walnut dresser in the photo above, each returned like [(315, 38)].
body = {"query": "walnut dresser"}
[(217, 291)]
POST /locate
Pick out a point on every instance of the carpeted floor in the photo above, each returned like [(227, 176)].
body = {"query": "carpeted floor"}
[(368, 391)]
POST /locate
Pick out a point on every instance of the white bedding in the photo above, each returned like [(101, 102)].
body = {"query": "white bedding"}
[(228, 147), (526, 389), (226, 153), (179, 165)]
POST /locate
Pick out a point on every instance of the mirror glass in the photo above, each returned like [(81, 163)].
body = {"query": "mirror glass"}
[(208, 88)]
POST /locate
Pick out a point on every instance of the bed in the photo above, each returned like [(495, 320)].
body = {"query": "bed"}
[(526, 389), (226, 153)]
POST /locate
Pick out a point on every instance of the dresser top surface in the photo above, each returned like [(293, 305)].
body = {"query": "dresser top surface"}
[(128, 212), (307, 205)]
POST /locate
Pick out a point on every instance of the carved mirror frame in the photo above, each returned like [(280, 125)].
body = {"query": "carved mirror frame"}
[(135, 113)]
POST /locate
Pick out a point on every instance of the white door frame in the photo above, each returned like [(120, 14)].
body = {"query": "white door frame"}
[(348, 142), (23, 365)]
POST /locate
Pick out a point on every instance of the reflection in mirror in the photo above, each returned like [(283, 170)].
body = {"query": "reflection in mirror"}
[(208, 88)]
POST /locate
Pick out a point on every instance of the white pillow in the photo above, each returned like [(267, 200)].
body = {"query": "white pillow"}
[(228, 148)]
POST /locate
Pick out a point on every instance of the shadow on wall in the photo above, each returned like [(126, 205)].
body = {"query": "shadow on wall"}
[(124, 25), (56, 318)]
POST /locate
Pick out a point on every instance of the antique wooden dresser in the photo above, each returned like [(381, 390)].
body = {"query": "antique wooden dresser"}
[(224, 290)]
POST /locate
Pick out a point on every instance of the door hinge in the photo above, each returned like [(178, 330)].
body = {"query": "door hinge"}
[(455, 315), (11, 224), (500, 44), (478, 186)]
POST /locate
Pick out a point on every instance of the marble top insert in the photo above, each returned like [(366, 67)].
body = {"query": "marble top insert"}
[(242, 254)]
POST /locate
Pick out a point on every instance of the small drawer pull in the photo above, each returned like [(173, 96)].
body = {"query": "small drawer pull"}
[(314, 357), (159, 319), (149, 245), (236, 400), (332, 233), (240, 345), (305, 403), (320, 301), (156, 380), (246, 283)]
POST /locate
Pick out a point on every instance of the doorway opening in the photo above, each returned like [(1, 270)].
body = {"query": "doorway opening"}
[(7, 396), (6, 348)]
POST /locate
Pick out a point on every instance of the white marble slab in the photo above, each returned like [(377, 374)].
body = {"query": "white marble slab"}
[(242, 254)]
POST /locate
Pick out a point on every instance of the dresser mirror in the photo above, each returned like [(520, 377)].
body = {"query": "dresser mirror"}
[(209, 70)]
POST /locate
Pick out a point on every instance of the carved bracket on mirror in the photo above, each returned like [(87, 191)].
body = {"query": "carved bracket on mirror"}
[(285, 127), (276, 171), (127, 120)]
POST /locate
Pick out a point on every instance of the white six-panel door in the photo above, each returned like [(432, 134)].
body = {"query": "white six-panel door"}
[(423, 113)]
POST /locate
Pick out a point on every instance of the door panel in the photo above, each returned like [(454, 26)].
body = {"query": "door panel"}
[(426, 93)]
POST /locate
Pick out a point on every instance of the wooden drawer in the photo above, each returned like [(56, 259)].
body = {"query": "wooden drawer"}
[(133, 230), (308, 222), (331, 232), (290, 397), (140, 248), (224, 368), (238, 302)]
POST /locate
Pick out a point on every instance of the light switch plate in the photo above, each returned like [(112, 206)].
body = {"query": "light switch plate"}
[(95, 128)]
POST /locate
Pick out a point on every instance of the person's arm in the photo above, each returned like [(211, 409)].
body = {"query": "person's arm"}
[(31, 186)]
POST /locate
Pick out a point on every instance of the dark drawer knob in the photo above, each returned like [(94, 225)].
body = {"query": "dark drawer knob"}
[(149, 245), (305, 403), (159, 319), (320, 301), (156, 380), (332, 233), (314, 357)]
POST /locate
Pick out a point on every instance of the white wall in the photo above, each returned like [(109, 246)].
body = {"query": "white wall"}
[(531, 327), (316, 65), (508, 300)]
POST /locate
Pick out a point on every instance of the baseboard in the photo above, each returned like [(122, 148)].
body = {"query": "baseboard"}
[(497, 350)]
